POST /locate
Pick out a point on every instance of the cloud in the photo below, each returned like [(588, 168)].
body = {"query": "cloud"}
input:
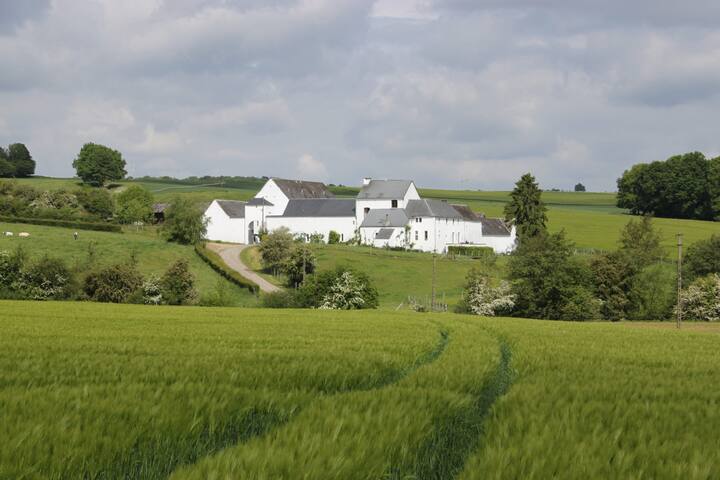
[(159, 142), (309, 168)]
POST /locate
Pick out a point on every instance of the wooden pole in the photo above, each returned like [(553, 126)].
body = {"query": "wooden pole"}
[(679, 280)]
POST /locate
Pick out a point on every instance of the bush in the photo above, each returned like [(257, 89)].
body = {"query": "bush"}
[(113, 284), (333, 237), (219, 297), (300, 264), (76, 225), (346, 293), (178, 284), (654, 293), (702, 258), (184, 222), (217, 264), (471, 251), (320, 287), (152, 291), (480, 298), (281, 299), (275, 249), (96, 201), (134, 204), (701, 300), (48, 279), (581, 305)]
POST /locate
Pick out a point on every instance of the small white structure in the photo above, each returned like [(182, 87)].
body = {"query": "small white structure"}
[(385, 213)]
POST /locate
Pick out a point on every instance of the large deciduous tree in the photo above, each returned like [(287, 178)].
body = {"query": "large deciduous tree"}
[(7, 169), (526, 208), (185, 222), (134, 204), (98, 164), (21, 160)]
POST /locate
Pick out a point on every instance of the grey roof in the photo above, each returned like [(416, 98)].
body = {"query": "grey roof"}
[(431, 208), (259, 202), (233, 208), (320, 207), (494, 227), (160, 207), (467, 213), (295, 189), (384, 233), (384, 189), (385, 217)]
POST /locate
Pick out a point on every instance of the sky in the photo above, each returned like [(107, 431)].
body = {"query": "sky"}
[(451, 93)]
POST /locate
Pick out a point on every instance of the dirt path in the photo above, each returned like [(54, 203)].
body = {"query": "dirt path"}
[(230, 253)]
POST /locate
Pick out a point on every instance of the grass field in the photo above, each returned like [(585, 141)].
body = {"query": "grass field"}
[(590, 219), (113, 391), (153, 254)]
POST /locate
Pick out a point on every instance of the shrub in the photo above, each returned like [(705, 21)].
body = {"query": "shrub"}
[(581, 305), (316, 238), (300, 264), (280, 299), (701, 300), (702, 258), (96, 201), (134, 204), (654, 293), (76, 225), (113, 284), (184, 222), (48, 279), (152, 291), (178, 284), (333, 237), (346, 293), (275, 249), (219, 297), (480, 298), (217, 264), (317, 288)]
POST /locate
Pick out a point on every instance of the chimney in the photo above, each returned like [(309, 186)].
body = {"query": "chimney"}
[(366, 181)]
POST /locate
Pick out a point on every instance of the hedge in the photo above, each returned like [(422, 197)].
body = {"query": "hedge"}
[(51, 222), (471, 251), (217, 264)]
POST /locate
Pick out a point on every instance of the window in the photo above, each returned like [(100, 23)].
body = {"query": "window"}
[(418, 220), (393, 203), (416, 235), (426, 234), (367, 209)]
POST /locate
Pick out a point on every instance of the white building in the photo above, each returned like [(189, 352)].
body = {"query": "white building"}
[(385, 213)]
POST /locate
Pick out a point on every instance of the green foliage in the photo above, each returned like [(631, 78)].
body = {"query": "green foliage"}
[(178, 284), (484, 253), (96, 201), (702, 258), (185, 222), (99, 227), (480, 298), (220, 296), (275, 249), (613, 276), (7, 169), (114, 284), (47, 279), (134, 204), (11, 268), (679, 187), (22, 162), (300, 263), (281, 299), (526, 208), (319, 289), (98, 164), (545, 276), (580, 305), (217, 264), (654, 293), (714, 186), (701, 300), (333, 237), (580, 187), (641, 243)]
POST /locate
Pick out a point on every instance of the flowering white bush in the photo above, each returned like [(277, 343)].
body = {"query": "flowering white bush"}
[(345, 294), (152, 292), (701, 300), (482, 299)]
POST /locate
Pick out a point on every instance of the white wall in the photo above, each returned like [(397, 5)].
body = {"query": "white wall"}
[(272, 193), (441, 233), (367, 237), (345, 226), (411, 194), (361, 205), (223, 228), (472, 232)]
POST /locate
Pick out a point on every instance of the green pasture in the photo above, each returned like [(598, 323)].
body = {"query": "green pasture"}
[(153, 254), (126, 391)]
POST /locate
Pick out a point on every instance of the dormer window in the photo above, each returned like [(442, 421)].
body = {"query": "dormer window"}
[(393, 203)]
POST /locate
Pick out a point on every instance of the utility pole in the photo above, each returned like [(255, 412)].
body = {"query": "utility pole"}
[(679, 279), (432, 295)]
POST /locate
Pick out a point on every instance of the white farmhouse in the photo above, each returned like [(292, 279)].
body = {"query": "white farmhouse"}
[(385, 213)]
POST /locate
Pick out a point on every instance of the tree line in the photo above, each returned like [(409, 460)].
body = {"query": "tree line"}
[(683, 186), (16, 161)]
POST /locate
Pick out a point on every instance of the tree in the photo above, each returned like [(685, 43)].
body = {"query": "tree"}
[(480, 298), (546, 277), (346, 293), (134, 204), (98, 164), (275, 249), (714, 185), (702, 258), (580, 187), (7, 169), (641, 243), (96, 201), (184, 222), (21, 160), (178, 284), (526, 208), (300, 263)]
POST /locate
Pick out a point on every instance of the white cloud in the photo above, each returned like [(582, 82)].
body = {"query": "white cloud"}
[(159, 142), (309, 168)]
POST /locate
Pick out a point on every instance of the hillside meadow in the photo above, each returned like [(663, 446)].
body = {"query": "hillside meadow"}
[(153, 254), (126, 391), (590, 219)]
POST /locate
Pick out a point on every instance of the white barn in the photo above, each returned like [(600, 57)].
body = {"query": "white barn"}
[(385, 213)]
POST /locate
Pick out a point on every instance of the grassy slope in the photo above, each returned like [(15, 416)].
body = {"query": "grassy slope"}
[(153, 254), (223, 393), (590, 219)]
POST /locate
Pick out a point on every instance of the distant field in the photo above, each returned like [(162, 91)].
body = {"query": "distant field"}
[(154, 255), (590, 219), (124, 391)]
